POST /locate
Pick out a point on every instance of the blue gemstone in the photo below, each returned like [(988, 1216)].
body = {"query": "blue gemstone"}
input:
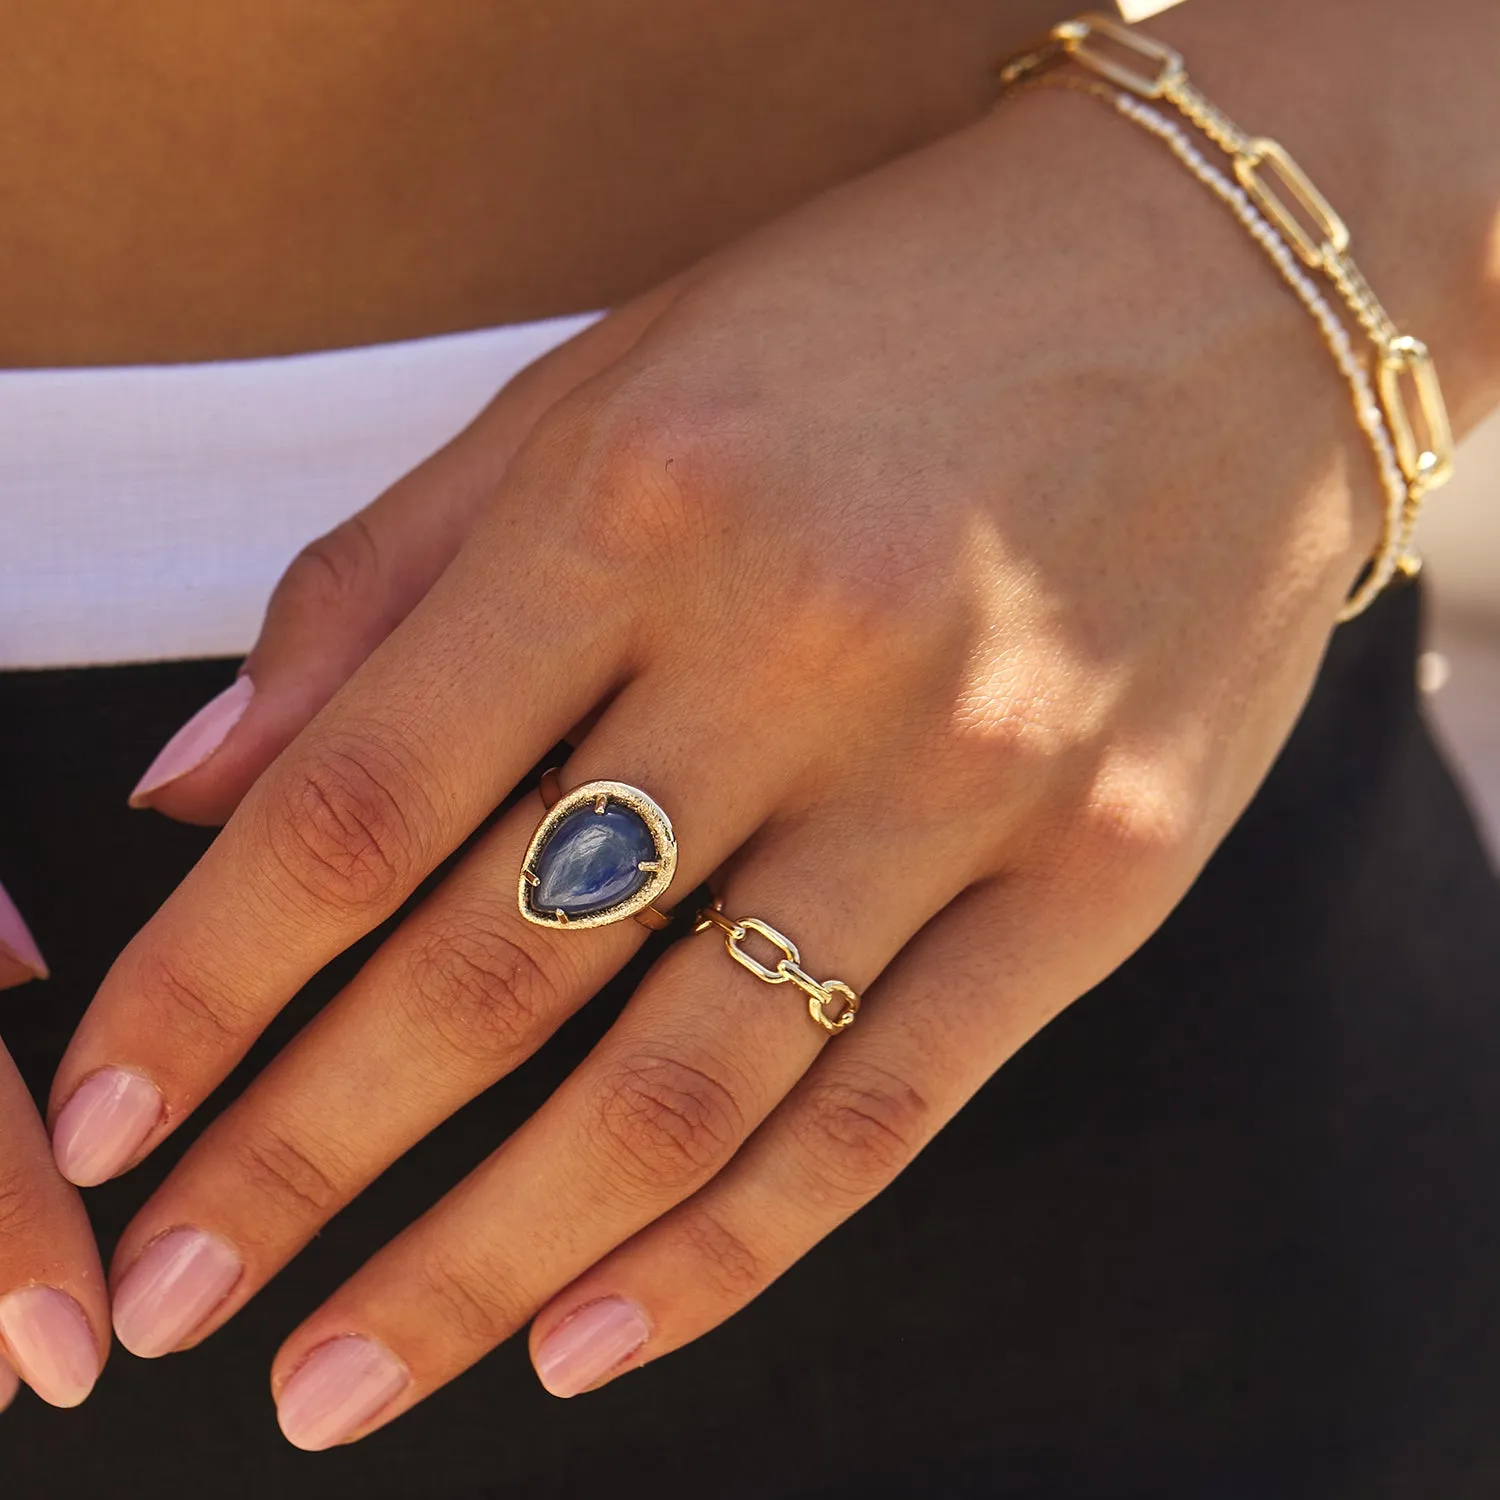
[(592, 861)]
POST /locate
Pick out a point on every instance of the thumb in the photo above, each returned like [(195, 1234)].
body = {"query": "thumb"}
[(344, 593), (20, 958)]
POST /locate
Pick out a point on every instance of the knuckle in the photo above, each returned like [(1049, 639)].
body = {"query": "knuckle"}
[(668, 1125), (20, 1213), (474, 1301), (183, 996), (287, 1175), (1133, 833), (478, 991), (1007, 721), (886, 595), (331, 572), (733, 1270), (338, 828), (862, 1132), (653, 468)]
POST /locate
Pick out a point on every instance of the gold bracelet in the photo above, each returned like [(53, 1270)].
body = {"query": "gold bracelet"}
[(1423, 465)]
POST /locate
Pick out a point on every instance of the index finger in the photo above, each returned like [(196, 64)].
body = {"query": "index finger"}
[(406, 760), (54, 1323)]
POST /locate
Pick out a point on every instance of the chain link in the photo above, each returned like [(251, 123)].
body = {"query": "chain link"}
[(1362, 302), (830, 1002), (1209, 118)]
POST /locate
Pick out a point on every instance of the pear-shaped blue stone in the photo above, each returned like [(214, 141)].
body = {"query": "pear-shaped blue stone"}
[(592, 861)]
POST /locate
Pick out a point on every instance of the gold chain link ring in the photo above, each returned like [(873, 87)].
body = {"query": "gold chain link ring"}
[(830, 1002)]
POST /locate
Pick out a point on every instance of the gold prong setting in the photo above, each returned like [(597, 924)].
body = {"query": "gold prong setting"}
[(600, 798)]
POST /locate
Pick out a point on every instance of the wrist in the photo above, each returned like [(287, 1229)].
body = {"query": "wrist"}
[(1391, 108)]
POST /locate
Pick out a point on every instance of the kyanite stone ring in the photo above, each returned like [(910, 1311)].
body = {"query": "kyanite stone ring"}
[(603, 852)]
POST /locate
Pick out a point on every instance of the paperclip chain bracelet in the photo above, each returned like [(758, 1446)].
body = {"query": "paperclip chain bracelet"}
[(1409, 469)]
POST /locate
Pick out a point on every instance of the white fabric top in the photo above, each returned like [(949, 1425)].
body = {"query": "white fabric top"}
[(147, 512)]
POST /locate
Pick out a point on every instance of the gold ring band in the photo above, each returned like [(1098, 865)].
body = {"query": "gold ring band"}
[(830, 1002)]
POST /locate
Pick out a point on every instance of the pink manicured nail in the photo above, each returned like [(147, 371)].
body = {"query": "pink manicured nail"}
[(16, 940), (336, 1390), (590, 1343), (51, 1344), (177, 1282), (196, 740), (102, 1126), (10, 1383)]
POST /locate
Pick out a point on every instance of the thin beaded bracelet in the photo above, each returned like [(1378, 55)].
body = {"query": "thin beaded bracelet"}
[(1408, 470)]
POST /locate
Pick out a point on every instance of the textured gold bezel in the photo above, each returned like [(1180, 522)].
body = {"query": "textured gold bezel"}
[(600, 794)]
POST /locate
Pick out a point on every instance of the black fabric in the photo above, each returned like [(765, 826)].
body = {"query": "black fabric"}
[(1229, 1228)]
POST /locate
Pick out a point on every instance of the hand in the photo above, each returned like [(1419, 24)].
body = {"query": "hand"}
[(54, 1320), (949, 559)]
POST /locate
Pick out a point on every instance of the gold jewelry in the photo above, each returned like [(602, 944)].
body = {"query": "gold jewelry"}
[(830, 1002), (1420, 466), (603, 852)]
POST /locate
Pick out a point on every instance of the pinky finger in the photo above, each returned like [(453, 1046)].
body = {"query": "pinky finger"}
[(9, 1385), (982, 978)]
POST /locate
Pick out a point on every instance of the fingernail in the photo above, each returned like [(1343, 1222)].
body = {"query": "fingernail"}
[(16, 941), (10, 1383), (102, 1126), (588, 1344), (336, 1390), (196, 740), (51, 1343), (177, 1282)]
